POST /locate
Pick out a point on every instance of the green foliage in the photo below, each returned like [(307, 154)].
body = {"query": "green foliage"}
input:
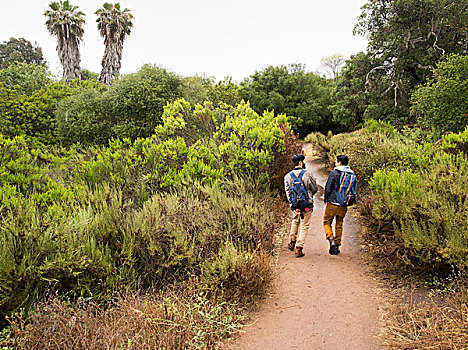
[(28, 78), (149, 211), (302, 96), (32, 112), (83, 118), (417, 208), (199, 89), (20, 50), (402, 53), (320, 141), (86, 74), (429, 211), (455, 143), (349, 100), (442, 103), (137, 100), (130, 108)]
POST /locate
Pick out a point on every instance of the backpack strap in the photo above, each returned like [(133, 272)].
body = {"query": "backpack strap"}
[(294, 177), (350, 184), (342, 182)]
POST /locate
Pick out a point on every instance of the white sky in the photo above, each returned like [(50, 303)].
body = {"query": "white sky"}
[(213, 37)]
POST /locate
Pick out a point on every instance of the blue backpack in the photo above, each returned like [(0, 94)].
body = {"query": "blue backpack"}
[(346, 194), (298, 196)]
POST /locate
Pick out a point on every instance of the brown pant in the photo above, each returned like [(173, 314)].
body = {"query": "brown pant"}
[(334, 211), (304, 228)]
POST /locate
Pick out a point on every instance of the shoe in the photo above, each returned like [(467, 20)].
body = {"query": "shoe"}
[(333, 248), (337, 249), (299, 252), (291, 245)]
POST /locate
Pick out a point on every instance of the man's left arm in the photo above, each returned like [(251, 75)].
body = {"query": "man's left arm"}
[(311, 184)]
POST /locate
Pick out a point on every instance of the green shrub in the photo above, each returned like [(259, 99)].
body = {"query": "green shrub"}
[(455, 143), (140, 213), (28, 78), (32, 113), (429, 211), (130, 108), (442, 103)]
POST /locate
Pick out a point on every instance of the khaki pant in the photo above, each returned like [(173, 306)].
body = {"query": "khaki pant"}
[(334, 211), (302, 230)]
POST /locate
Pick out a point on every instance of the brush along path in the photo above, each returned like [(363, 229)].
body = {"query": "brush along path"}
[(320, 301)]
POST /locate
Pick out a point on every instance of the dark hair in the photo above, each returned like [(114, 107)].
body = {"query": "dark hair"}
[(297, 158), (342, 159)]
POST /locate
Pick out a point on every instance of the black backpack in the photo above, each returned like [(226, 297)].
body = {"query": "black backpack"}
[(298, 196)]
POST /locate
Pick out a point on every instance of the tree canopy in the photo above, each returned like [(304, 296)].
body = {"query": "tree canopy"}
[(442, 102), (302, 96), (20, 50)]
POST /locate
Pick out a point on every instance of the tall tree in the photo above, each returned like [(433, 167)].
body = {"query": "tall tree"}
[(406, 40), (20, 50), (114, 25), (332, 65), (66, 23), (302, 96)]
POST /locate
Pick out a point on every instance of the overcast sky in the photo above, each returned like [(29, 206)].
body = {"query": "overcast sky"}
[(213, 37)]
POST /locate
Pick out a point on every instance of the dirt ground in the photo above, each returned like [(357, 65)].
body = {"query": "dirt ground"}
[(319, 301)]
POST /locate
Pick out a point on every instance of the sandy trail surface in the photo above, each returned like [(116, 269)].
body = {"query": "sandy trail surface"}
[(319, 301)]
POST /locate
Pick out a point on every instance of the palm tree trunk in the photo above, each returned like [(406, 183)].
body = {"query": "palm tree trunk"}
[(111, 62)]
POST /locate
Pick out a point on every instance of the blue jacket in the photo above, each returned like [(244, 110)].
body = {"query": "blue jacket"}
[(333, 184)]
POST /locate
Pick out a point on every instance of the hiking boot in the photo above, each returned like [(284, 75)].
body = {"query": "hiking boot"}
[(337, 250), (291, 245), (333, 247), (299, 252)]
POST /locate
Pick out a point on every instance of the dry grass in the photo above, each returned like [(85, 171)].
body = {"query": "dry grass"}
[(186, 319), (430, 324)]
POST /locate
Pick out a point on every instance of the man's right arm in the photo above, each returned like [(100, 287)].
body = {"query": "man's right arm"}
[(329, 186)]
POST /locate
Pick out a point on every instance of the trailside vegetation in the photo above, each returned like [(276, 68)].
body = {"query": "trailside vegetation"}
[(416, 201), (193, 202)]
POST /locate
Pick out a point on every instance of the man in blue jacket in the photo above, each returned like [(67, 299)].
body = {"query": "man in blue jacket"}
[(333, 209)]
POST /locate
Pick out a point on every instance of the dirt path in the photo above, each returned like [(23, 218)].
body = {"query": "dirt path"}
[(320, 301)]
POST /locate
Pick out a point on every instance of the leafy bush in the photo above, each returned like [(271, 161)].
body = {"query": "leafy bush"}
[(131, 108), (416, 208), (27, 77), (302, 96), (455, 143), (442, 103), (428, 211), (29, 109), (142, 213)]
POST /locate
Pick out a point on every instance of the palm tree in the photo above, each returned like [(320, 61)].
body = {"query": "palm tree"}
[(114, 26), (66, 23)]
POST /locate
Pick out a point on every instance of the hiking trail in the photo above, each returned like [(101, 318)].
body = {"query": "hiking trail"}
[(318, 301)]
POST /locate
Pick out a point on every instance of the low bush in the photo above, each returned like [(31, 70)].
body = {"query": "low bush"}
[(429, 211)]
